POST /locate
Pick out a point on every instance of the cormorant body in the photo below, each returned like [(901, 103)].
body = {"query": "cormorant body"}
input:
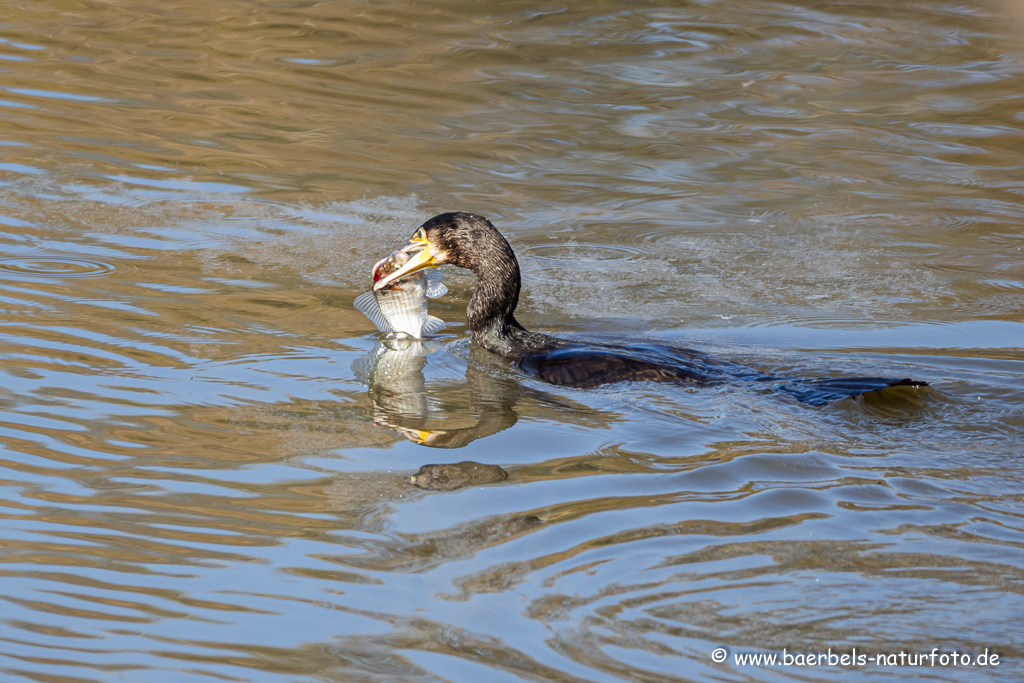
[(472, 242)]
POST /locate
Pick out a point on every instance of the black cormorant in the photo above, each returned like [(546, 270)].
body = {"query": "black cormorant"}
[(471, 241)]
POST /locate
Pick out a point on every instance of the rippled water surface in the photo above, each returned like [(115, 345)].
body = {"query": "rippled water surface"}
[(207, 455)]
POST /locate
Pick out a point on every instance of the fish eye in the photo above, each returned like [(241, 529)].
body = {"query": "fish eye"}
[(420, 236)]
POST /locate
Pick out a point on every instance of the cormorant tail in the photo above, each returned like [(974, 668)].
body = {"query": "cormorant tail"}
[(819, 392)]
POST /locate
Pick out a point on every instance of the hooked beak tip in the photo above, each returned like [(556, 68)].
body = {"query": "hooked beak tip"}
[(420, 258)]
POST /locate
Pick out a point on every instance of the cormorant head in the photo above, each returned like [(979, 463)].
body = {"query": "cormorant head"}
[(459, 238)]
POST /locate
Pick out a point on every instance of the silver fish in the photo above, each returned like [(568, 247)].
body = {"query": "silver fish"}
[(400, 307)]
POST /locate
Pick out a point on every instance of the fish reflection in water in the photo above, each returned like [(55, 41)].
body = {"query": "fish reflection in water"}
[(393, 371), (399, 308)]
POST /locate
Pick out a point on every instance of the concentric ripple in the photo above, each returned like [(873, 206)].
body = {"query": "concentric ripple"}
[(573, 254), (51, 266), (593, 264)]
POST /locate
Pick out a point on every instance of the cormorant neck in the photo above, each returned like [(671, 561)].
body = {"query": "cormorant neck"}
[(490, 312)]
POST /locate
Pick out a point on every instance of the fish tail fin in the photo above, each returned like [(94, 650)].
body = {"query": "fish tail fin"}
[(432, 325)]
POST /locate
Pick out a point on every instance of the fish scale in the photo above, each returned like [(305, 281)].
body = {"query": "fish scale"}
[(400, 308)]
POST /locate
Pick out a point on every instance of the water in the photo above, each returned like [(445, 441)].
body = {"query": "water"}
[(206, 467)]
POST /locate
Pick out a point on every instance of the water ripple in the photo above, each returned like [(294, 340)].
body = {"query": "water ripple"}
[(195, 485), (53, 266)]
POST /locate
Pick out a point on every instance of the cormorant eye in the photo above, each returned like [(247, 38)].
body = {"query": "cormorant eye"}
[(420, 236)]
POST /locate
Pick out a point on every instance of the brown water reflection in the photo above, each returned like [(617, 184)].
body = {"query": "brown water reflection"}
[(201, 479)]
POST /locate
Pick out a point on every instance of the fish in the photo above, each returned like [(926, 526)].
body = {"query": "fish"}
[(399, 308)]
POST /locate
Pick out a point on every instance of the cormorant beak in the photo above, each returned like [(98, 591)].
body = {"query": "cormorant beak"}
[(434, 438), (421, 257), (423, 437), (420, 436)]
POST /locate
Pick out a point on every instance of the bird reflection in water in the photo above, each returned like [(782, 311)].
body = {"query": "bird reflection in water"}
[(394, 369)]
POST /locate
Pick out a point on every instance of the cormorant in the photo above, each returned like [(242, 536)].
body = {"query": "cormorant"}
[(471, 241)]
